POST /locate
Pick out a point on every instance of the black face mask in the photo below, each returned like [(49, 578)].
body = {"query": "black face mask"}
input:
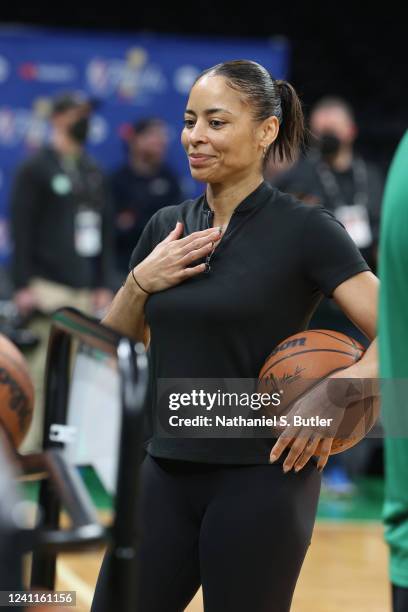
[(79, 130), (329, 145)]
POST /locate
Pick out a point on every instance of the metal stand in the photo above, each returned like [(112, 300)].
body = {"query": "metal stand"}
[(64, 487)]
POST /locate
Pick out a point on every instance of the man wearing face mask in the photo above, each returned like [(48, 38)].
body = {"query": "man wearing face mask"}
[(61, 230), (333, 176)]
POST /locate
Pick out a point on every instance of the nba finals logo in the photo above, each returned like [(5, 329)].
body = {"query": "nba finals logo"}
[(23, 126), (131, 80)]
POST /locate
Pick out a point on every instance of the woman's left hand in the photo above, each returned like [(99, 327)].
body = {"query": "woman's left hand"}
[(320, 413)]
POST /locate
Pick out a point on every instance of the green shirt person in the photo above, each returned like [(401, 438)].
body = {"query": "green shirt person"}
[(393, 343)]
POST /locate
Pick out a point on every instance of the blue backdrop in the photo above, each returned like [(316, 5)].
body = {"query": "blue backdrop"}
[(133, 76)]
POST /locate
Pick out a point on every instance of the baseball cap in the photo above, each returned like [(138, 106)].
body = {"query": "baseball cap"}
[(71, 99), (144, 125)]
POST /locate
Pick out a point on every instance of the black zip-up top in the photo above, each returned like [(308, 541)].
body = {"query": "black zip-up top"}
[(276, 260)]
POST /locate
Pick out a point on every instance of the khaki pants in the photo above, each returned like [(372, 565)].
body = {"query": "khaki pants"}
[(50, 296)]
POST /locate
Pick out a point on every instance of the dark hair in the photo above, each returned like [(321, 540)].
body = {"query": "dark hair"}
[(144, 125), (334, 102), (67, 100), (267, 97)]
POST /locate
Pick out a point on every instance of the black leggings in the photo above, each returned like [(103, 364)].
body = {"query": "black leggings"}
[(399, 598), (241, 532)]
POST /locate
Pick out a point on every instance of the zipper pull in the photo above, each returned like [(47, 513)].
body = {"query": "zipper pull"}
[(209, 214), (207, 269)]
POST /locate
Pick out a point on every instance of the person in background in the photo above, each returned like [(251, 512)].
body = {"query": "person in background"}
[(334, 176), (61, 232), (393, 345), (141, 186)]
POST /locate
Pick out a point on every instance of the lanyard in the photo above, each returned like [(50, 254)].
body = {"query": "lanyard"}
[(81, 178), (73, 169), (332, 188)]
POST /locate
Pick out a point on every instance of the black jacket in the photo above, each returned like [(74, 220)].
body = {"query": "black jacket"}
[(48, 193)]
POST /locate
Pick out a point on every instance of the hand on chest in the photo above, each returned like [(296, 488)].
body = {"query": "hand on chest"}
[(248, 276)]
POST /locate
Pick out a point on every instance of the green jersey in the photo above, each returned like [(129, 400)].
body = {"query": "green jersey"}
[(393, 343)]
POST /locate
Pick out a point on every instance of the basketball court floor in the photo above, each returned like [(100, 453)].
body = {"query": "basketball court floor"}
[(345, 569)]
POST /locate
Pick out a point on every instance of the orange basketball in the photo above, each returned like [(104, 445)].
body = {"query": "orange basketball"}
[(16, 392), (300, 361)]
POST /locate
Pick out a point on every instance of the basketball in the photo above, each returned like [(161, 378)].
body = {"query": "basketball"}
[(302, 360), (16, 392)]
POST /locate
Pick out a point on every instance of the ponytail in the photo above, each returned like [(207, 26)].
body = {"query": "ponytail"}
[(291, 134)]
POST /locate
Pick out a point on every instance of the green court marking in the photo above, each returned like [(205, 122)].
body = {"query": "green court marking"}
[(30, 491), (364, 505), (101, 499)]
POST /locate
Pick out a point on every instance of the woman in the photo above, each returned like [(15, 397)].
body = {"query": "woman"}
[(218, 282)]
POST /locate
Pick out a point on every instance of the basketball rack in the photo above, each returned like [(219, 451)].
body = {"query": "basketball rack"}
[(62, 487)]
